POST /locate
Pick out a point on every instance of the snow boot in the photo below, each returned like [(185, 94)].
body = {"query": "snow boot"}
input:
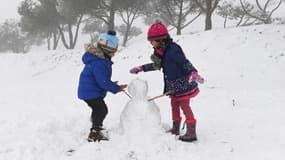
[(190, 134), (92, 137), (175, 130), (96, 134)]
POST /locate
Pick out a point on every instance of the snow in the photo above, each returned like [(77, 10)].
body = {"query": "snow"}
[(239, 111)]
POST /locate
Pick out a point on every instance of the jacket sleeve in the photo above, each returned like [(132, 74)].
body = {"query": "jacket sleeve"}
[(156, 65), (103, 78), (148, 67)]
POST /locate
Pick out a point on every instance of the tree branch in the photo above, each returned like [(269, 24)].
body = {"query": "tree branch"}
[(77, 29), (215, 5), (200, 6), (266, 5), (249, 14), (191, 21), (259, 6), (270, 14)]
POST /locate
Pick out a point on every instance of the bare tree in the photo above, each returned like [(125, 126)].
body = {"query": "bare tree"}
[(177, 13), (230, 11), (225, 10), (94, 27), (104, 10), (262, 13), (133, 31), (71, 16), (129, 10), (207, 7)]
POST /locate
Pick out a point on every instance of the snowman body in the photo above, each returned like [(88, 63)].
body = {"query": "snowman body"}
[(140, 117)]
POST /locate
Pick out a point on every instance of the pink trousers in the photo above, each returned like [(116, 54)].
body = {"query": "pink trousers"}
[(184, 104)]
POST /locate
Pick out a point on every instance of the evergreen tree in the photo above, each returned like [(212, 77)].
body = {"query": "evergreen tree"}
[(12, 39)]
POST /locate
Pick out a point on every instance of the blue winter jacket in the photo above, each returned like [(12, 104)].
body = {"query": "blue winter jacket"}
[(176, 70), (95, 78)]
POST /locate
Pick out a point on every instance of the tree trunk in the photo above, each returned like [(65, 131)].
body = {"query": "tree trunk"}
[(126, 35), (77, 30), (178, 31), (225, 21), (62, 37), (179, 28), (208, 20), (56, 38), (48, 43), (72, 40), (70, 36), (111, 22)]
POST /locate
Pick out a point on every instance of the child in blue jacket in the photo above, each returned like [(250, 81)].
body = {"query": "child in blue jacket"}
[(95, 81), (180, 78)]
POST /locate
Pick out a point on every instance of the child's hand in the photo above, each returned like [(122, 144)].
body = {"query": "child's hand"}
[(136, 70), (196, 77), (123, 87)]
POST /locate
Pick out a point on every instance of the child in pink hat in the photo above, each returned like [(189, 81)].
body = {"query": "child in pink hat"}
[(180, 78)]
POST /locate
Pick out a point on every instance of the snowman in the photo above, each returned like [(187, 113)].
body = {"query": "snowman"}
[(140, 117)]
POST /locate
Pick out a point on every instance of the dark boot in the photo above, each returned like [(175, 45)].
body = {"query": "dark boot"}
[(190, 134), (175, 130), (102, 136), (92, 137), (97, 135)]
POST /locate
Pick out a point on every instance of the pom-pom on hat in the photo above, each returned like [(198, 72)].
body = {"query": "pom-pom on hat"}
[(108, 41), (157, 31)]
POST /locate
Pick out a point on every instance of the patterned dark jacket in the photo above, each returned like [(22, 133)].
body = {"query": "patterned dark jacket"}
[(176, 70)]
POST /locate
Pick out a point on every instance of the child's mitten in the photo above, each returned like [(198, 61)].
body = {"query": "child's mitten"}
[(136, 70), (196, 77)]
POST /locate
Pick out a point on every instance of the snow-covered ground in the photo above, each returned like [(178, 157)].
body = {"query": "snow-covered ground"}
[(240, 110)]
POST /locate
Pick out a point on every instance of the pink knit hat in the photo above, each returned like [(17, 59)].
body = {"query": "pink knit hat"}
[(157, 31)]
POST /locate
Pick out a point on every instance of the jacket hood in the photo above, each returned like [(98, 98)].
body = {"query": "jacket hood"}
[(88, 58)]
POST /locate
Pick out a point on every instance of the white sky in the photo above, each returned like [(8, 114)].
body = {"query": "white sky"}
[(8, 9)]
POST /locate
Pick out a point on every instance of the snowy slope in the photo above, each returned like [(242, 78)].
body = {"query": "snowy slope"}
[(240, 109)]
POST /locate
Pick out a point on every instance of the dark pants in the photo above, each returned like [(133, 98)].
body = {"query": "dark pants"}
[(99, 111)]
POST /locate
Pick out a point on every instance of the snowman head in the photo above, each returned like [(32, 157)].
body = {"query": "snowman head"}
[(138, 88)]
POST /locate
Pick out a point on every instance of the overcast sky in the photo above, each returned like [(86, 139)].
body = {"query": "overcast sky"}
[(8, 9)]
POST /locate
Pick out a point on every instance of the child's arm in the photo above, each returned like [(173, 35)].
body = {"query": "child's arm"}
[(145, 68), (103, 80), (156, 65)]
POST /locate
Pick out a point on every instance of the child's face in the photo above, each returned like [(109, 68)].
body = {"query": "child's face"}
[(155, 44)]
